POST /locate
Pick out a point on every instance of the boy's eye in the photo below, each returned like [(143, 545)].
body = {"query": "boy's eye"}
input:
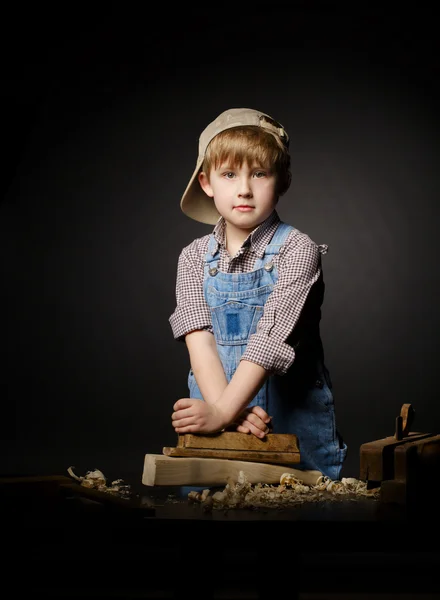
[(228, 174), (260, 174)]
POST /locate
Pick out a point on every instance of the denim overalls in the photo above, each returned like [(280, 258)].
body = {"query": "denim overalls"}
[(299, 402)]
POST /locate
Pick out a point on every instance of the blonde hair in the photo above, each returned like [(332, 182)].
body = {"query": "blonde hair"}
[(253, 146)]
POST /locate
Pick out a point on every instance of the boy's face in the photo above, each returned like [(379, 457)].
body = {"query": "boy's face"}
[(244, 196)]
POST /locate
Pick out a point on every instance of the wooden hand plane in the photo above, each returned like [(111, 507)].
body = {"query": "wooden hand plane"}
[(274, 448), (401, 464)]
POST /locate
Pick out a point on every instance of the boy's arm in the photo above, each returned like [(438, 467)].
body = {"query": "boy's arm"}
[(243, 387), (299, 269), (192, 314), (206, 364), (193, 415)]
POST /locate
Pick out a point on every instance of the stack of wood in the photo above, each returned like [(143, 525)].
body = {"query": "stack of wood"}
[(214, 459)]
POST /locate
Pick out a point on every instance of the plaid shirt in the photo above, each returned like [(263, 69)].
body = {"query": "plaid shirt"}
[(299, 271)]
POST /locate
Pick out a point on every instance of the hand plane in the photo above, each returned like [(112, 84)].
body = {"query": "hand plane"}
[(274, 448), (401, 464)]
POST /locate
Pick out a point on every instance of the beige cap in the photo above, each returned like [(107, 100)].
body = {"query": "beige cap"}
[(195, 203)]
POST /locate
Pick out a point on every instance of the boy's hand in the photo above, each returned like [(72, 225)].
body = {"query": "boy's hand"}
[(254, 420), (192, 415), (196, 416)]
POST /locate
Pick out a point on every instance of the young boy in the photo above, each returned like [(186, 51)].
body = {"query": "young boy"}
[(249, 298)]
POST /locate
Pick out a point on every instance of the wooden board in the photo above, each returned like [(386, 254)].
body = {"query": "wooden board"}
[(33, 490), (167, 470), (246, 455), (234, 440), (106, 498)]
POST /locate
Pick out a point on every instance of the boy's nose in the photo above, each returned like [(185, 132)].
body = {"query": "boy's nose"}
[(244, 190)]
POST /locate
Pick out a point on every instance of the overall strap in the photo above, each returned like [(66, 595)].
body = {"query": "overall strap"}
[(278, 240), (212, 255)]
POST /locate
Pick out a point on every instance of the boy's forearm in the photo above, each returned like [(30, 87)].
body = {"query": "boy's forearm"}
[(206, 365), (211, 379), (243, 387)]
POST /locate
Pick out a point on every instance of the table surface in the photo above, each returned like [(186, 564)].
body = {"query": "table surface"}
[(170, 506), (355, 545)]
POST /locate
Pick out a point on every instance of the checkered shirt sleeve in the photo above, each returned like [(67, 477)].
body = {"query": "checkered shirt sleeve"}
[(192, 311), (298, 270)]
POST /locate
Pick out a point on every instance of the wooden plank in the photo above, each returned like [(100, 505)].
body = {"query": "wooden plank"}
[(280, 458), (106, 498), (167, 470), (234, 440)]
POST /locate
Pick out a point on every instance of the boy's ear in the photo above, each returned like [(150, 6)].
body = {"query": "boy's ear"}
[(204, 184), (285, 184)]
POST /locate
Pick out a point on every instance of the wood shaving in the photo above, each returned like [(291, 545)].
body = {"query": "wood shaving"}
[(291, 491), (97, 480)]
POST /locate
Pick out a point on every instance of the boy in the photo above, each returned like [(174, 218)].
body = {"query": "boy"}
[(249, 298)]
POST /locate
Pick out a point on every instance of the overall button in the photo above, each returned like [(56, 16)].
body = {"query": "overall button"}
[(319, 384), (213, 271), (268, 266)]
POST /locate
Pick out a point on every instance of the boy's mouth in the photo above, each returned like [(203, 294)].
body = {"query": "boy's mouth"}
[(244, 207)]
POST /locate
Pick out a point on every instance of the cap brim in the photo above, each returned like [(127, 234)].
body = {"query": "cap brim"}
[(196, 204)]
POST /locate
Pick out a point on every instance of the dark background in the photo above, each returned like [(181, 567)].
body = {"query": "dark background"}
[(102, 109)]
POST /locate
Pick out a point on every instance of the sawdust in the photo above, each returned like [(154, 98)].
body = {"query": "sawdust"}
[(290, 492), (97, 480)]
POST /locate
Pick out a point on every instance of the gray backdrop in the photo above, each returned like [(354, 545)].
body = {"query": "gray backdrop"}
[(102, 114)]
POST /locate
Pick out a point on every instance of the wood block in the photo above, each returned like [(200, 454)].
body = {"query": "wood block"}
[(377, 457), (416, 465), (234, 440), (167, 470), (247, 455)]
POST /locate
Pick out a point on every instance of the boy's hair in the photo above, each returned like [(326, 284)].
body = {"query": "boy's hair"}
[(251, 145)]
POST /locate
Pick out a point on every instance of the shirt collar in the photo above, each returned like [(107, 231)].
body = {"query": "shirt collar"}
[(257, 239)]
